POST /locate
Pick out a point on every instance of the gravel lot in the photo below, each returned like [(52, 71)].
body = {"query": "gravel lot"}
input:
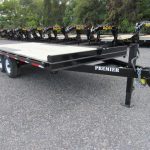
[(72, 111)]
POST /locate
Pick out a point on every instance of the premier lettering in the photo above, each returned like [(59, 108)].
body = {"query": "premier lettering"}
[(108, 69)]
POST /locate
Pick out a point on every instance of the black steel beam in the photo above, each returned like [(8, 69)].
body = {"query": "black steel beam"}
[(81, 55), (130, 80), (62, 62), (79, 62), (110, 70)]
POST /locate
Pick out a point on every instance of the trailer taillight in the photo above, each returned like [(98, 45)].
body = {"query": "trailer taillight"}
[(37, 65)]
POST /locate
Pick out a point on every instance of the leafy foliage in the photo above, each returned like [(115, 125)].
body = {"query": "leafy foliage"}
[(85, 11), (31, 13), (126, 13), (18, 13)]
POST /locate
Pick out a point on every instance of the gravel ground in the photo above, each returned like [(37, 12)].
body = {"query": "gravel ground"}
[(72, 111)]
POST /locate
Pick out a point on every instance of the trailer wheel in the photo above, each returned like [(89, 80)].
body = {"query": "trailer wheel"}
[(12, 68), (2, 64)]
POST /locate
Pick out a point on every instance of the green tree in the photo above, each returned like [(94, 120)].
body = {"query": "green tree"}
[(47, 12), (68, 18), (144, 10), (9, 13), (54, 11), (125, 13), (20, 13), (32, 13), (86, 11)]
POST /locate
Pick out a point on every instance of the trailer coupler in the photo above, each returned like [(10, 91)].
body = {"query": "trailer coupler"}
[(142, 80), (143, 83), (148, 82), (148, 77)]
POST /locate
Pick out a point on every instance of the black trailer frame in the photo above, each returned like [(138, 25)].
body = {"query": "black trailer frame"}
[(121, 69), (115, 67), (105, 64)]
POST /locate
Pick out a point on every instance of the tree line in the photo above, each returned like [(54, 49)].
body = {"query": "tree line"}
[(32, 13)]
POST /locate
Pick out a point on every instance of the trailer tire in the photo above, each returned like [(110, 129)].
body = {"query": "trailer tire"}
[(2, 64), (12, 68)]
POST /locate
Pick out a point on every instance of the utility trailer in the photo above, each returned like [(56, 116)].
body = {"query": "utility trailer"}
[(75, 58)]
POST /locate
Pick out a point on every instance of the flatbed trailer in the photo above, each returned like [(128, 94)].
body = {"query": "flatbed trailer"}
[(56, 57)]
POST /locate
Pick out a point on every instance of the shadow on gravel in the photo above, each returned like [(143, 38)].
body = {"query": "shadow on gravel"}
[(67, 82)]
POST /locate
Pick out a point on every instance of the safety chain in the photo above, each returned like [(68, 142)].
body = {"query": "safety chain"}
[(139, 82)]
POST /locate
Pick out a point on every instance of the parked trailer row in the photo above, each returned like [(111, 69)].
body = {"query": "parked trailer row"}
[(79, 34), (76, 33)]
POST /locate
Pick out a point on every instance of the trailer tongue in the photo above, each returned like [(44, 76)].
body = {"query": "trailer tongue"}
[(75, 58)]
